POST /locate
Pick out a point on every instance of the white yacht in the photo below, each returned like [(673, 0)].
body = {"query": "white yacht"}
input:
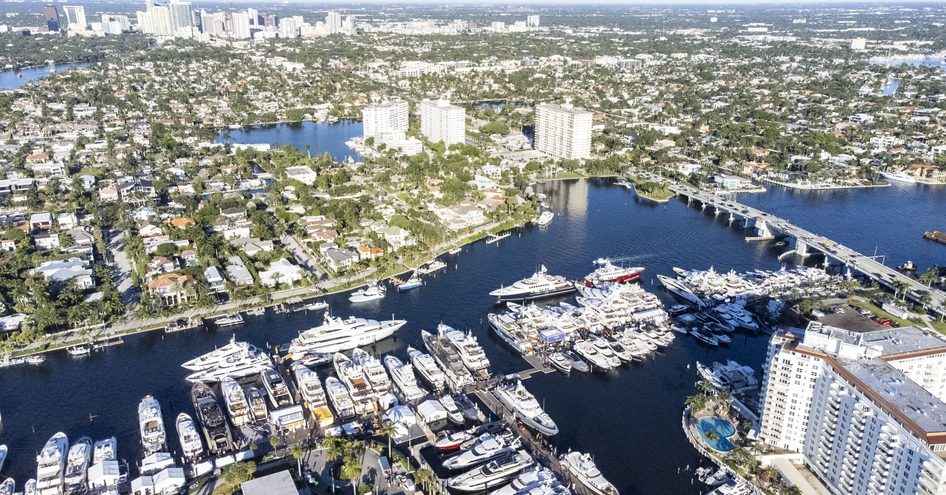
[(151, 426), (228, 320), (447, 357), (312, 394), (899, 177), (374, 372), (606, 351), (590, 353), (191, 447), (257, 404), (428, 369), (341, 400), (495, 473), (3, 454), (731, 376), (276, 389), (403, 377), (679, 289), (544, 218), (372, 292), (51, 465), (453, 411), (470, 351), (8, 487), (505, 325), (77, 466), (515, 397), (357, 383), (486, 448), (337, 334), (583, 468), (609, 272), (105, 450), (217, 356), (527, 480), (234, 360), (536, 286), (238, 408)]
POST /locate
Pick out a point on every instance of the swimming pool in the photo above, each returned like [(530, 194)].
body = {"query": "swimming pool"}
[(723, 430)]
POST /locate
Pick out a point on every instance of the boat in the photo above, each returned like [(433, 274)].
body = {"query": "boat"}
[(467, 408), (51, 465), (704, 337), (678, 309), (313, 395), (507, 329), (619, 350), (77, 466), (337, 334), (605, 350), (339, 397), (453, 412), (151, 426), (589, 352), (8, 487), (80, 350), (403, 377), (935, 235), (211, 418), (30, 487), (544, 218), (487, 447), (583, 468), (721, 338), (577, 363), (531, 479), (374, 371), (513, 394), (313, 359), (677, 288), (235, 366), (35, 359), (430, 267), (105, 450), (359, 388), (372, 292), (316, 306), (411, 283), (451, 442), (730, 376), (3, 455), (276, 389), (536, 286), (446, 356), (493, 474), (560, 362), (229, 320), (494, 238), (455, 250), (258, 311), (191, 446), (899, 176), (427, 368), (238, 408), (257, 404), (607, 272), (220, 355), (470, 351)]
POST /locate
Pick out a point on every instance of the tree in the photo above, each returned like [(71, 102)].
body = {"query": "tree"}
[(297, 453), (236, 474), (388, 430), (901, 289), (929, 277)]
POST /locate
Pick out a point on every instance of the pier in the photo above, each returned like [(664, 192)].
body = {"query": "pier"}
[(765, 226)]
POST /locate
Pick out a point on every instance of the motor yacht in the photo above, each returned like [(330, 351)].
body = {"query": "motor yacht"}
[(453, 412), (560, 362), (604, 349), (589, 352), (151, 426), (340, 398), (307, 381), (372, 292), (514, 396), (374, 372), (427, 368), (677, 288), (493, 474), (8, 487), (276, 389), (403, 377), (607, 272), (51, 465), (536, 286), (238, 408), (211, 418), (544, 218), (359, 388), (191, 446), (577, 363), (257, 404), (337, 334), (451, 442), (506, 327), (77, 466), (470, 351), (584, 470), (105, 450), (448, 358), (217, 356), (529, 479), (487, 447)]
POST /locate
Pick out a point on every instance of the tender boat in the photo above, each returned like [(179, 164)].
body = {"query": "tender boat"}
[(451, 442), (486, 448), (191, 446), (316, 306), (428, 369), (214, 423), (403, 377), (51, 465), (151, 426), (495, 473), (77, 466), (513, 394), (337, 334), (238, 408), (536, 286), (257, 404), (583, 468), (340, 398), (313, 395), (372, 292)]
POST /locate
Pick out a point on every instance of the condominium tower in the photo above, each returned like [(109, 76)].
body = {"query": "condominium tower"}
[(384, 118), (441, 121), (563, 131)]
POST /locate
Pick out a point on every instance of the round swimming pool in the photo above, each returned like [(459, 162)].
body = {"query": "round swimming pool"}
[(723, 430)]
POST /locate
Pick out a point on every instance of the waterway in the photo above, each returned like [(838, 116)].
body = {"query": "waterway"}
[(10, 79), (321, 137), (629, 421)]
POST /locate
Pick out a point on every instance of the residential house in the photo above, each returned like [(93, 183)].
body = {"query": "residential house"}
[(340, 260), (281, 272), (252, 246), (73, 269), (215, 281), (173, 289), (237, 272), (46, 241), (41, 221)]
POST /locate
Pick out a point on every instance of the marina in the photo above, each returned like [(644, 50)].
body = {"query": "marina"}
[(653, 387)]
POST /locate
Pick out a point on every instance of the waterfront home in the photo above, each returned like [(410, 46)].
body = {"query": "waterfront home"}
[(237, 272), (215, 281), (281, 272), (340, 260), (302, 174), (397, 237), (173, 289), (73, 270)]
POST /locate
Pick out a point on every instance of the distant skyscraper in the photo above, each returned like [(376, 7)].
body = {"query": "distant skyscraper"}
[(333, 21), (181, 16), (858, 44), (51, 13), (389, 117), (75, 17), (532, 21), (241, 25), (156, 21), (441, 121), (288, 27), (563, 131)]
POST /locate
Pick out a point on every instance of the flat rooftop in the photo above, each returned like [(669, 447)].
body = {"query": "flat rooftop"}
[(890, 341)]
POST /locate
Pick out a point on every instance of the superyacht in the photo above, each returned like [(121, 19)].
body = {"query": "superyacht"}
[(51, 465), (516, 398), (536, 286), (403, 377), (447, 357), (238, 408), (191, 446), (340, 398), (531, 479), (313, 394), (506, 327), (105, 450), (583, 468), (428, 369), (374, 372), (337, 334), (470, 351), (495, 473), (77, 466), (214, 423), (608, 272), (151, 426), (590, 353), (680, 290), (218, 356), (357, 383), (486, 448)]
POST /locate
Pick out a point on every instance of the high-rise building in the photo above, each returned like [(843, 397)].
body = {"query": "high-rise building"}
[(333, 21), (213, 24), (532, 21), (859, 44), (181, 16), (51, 13), (384, 118), (240, 28), (864, 408), (155, 21), (75, 17), (563, 131), (114, 24), (288, 28), (441, 121)]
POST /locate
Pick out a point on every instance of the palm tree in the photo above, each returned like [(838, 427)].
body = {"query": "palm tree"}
[(901, 288), (929, 277), (388, 430), (297, 453), (424, 476)]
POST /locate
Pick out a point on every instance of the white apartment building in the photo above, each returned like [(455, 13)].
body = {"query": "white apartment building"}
[(182, 17), (441, 121), (156, 21), (532, 21), (387, 117), (865, 409), (240, 28), (563, 131), (858, 44), (75, 17)]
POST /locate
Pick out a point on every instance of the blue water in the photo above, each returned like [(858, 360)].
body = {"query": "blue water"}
[(631, 418), (721, 427), (322, 137), (891, 88), (9, 79)]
